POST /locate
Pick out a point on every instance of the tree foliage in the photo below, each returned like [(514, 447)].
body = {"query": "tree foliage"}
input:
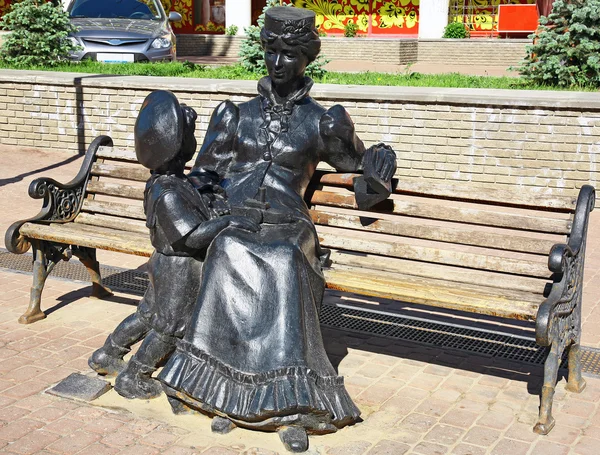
[(39, 33), (566, 49), (252, 53)]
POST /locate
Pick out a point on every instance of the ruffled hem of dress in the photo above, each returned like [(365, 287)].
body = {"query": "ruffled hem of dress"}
[(257, 397)]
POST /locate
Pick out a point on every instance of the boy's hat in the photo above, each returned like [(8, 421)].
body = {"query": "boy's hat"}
[(158, 131), (283, 20)]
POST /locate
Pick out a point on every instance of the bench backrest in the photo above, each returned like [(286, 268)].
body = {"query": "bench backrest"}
[(114, 196), (447, 231), (444, 231)]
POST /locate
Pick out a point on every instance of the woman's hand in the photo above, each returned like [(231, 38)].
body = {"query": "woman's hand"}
[(375, 185), (382, 160)]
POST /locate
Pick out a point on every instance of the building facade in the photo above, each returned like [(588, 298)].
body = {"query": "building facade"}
[(374, 18)]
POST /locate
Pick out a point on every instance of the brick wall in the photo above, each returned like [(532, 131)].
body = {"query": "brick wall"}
[(491, 52), (393, 50), (548, 140), (211, 45), (488, 52)]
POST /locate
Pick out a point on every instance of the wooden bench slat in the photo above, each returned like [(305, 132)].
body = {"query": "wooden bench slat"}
[(92, 236), (467, 191), (330, 238), (471, 192), (114, 170), (123, 224), (115, 189), (111, 153), (438, 271), (135, 211), (443, 211), (412, 228), (497, 302), (477, 299), (116, 154)]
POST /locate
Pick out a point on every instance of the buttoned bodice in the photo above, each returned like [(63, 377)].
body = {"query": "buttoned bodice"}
[(278, 147)]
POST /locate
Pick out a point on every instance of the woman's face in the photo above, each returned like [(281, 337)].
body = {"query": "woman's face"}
[(285, 63)]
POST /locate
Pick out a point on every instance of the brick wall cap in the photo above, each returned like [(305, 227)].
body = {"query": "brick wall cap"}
[(427, 95)]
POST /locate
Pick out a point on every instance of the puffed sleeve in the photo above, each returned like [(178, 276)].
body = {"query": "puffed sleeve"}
[(216, 152), (342, 148)]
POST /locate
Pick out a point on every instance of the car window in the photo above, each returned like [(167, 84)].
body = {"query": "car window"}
[(130, 9)]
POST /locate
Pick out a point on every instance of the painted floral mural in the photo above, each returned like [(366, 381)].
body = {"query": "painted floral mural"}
[(398, 14), (198, 16), (4, 6), (183, 7), (373, 17)]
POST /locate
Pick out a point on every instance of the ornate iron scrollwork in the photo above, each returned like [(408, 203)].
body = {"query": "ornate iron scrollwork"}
[(62, 202), (559, 317), (558, 323)]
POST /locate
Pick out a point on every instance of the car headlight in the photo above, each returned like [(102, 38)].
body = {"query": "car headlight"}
[(161, 43), (74, 41)]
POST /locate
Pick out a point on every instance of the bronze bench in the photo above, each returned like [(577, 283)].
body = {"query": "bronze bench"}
[(510, 253)]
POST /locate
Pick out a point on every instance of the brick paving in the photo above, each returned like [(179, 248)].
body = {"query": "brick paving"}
[(414, 399)]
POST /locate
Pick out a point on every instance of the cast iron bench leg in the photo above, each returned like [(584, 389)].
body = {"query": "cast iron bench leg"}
[(546, 421), (575, 383), (87, 256), (45, 257)]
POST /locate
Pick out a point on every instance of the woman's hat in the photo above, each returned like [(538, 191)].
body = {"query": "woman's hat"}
[(285, 20), (158, 131)]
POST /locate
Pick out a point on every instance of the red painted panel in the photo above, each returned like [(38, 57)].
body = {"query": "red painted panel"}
[(517, 18)]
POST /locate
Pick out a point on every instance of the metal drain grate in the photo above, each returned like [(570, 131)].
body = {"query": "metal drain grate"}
[(590, 358), (433, 333), (339, 316)]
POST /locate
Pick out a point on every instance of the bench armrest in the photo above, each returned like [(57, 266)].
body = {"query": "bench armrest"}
[(62, 202), (566, 261)]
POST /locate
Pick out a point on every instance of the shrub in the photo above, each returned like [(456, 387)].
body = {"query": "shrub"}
[(350, 29), (231, 30), (456, 30), (566, 49), (39, 34), (252, 53)]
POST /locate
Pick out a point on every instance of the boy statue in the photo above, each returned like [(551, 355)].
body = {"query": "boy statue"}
[(182, 223)]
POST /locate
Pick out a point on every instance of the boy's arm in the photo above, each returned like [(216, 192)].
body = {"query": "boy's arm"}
[(186, 229), (176, 217)]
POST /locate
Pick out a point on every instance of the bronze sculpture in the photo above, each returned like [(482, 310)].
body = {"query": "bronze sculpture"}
[(253, 354)]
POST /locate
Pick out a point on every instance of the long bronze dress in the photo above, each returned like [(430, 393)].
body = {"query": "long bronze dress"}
[(253, 351)]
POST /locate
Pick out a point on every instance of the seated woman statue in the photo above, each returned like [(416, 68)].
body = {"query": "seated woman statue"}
[(253, 354)]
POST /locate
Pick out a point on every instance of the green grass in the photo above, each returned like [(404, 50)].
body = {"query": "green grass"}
[(170, 69), (236, 72)]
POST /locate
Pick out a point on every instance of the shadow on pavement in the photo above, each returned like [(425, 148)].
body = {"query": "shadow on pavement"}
[(20, 177)]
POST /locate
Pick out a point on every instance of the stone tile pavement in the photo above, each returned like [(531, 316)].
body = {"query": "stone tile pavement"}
[(414, 399)]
